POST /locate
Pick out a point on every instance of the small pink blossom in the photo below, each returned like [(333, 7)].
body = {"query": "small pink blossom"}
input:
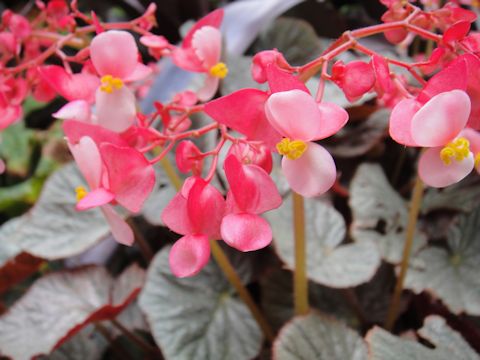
[(196, 212), (200, 52), (251, 193)]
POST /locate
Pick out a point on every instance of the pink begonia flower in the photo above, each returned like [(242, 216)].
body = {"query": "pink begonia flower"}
[(114, 55), (200, 52), (308, 167), (89, 161), (252, 154), (188, 158), (252, 192), (436, 125), (12, 94), (128, 179), (196, 212), (355, 78)]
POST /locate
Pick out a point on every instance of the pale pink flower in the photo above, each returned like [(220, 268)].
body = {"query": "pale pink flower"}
[(201, 51), (308, 167), (114, 55)]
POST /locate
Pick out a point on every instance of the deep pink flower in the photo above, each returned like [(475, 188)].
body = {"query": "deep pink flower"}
[(200, 52), (252, 192), (196, 212), (188, 158), (264, 59)]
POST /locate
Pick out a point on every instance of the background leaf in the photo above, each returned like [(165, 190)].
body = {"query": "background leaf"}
[(198, 317), (59, 304), (451, 274), (329, 262), (448, 344), (317, 337), (379, 213)]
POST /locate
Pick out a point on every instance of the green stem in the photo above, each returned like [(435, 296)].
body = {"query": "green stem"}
[(415, 203), (300, 282)]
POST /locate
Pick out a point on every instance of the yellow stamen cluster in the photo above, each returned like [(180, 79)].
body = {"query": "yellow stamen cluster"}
[(477, 159), (110, 84), (219, 70), (458, 150), (81, 192), (292, 149)]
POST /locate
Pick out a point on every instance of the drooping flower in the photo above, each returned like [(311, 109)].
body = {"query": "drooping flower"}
[(251, 193), (201, 51), (195, 212)]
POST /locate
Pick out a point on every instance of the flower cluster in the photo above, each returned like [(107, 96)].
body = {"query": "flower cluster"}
[(116, 146)]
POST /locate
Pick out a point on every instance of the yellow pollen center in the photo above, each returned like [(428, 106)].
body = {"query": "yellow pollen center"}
[(81, 192), (477, 159), (458, 150), (292, 149), (110, 84), (219, 70)]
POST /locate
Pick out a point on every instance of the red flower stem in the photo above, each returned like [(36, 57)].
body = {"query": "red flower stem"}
[(407, 249)]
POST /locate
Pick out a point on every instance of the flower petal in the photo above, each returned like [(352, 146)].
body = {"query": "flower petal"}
[(94, 198), (435, 173), (246, 232), (189, 255), (208, 89), (75, 130), (121, 231), (116, 111), (114, 53), (441, 118), (313, 173), (130, 176), (88, 160), (243, 111), (280, 80), (401, 121), (294, 114), (175, 215), (333, 118), (74, 110), (207, 43)]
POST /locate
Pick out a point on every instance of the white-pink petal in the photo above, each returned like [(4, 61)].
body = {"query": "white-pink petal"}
[(88, 159), (313, 173), (207, 42), (435, 173), (116, 111), (333, 118), (400, 125), (441, 119), (121, 231), (246, 232), (74, 110), (294, 114), (209, 88), (114, 53)]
